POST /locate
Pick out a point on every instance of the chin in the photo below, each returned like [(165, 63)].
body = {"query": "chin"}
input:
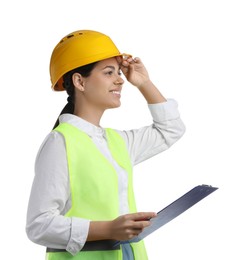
[(115, 105)]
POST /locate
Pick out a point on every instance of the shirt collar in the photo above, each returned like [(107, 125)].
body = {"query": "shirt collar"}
[(83, 125)]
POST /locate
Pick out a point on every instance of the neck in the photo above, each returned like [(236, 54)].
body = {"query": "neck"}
[(92, 117)]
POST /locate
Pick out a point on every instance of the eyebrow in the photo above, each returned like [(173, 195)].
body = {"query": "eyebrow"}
[(111, 67)]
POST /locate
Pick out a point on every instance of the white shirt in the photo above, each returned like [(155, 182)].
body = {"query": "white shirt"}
[(50, 196)]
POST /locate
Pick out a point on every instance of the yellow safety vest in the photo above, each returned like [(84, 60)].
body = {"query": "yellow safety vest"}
[(94, 187)]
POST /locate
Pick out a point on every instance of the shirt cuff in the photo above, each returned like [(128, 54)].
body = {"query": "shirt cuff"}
[(79, 233), (167, 110)]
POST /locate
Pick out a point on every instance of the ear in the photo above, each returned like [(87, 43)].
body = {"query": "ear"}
[(78, 81)]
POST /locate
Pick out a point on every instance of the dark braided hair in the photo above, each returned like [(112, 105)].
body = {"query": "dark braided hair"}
[(85, 72)]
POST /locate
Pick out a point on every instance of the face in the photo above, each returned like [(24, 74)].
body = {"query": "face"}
[(102, 89)]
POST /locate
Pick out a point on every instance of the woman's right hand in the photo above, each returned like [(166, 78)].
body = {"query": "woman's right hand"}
[(124, 227), (129, 226)]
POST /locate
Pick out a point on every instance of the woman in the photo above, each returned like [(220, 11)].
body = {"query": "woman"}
[(82, 195)]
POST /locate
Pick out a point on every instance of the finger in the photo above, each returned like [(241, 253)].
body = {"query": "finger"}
[(139, 216), (136, 232), (125, 70), (129, 60), (140, 225), (119, 59), (137, 60), (125, 63)]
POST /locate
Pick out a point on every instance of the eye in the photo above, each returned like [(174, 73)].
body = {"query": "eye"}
[(110, 72)]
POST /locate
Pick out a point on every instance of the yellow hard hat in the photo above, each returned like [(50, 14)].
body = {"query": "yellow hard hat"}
[(78, 49)]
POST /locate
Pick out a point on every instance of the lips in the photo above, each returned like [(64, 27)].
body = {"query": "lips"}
[(116, 92)]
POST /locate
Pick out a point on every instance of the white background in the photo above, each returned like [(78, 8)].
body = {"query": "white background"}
[(193, 51)]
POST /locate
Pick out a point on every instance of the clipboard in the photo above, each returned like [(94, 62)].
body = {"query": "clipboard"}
[(173, 210)]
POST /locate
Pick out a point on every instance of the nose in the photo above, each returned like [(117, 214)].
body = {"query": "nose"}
[(119, 80)]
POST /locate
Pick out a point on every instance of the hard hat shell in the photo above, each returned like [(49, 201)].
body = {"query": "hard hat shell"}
[(78, 49)]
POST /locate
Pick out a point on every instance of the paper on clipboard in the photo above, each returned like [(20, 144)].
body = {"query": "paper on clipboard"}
[(173, 210)]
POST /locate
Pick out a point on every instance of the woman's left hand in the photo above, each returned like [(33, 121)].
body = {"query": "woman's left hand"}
[(134, 70)]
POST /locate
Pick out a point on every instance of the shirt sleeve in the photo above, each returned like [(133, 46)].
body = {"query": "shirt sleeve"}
[(50, 200), (166, 129)]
